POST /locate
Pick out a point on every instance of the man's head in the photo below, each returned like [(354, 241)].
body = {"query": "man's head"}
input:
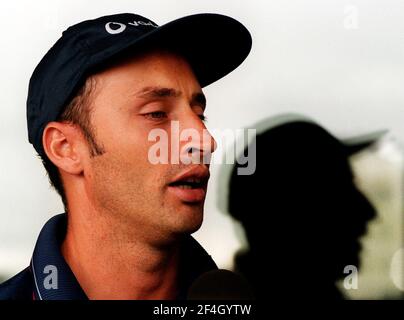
[(104, 152), (317, 213), (100, 92)]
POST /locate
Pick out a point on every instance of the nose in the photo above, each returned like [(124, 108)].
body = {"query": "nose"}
[(196, 141)]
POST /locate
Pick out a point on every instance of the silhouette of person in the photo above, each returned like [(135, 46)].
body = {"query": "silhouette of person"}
[(301, 211)]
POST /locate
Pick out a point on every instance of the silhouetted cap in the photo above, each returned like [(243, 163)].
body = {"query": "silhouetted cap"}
[(213, 44), (303, 129)]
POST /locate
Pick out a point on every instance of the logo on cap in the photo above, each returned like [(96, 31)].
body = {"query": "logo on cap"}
[(117, 27), (121, 27)]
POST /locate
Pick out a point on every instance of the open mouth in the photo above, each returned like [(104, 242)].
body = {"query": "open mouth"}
[(191, 183), (191, 186)]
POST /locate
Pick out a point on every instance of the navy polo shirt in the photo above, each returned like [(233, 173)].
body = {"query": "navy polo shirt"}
[(32, 283)]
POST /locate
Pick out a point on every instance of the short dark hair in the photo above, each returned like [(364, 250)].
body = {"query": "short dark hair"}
[(77, 112)]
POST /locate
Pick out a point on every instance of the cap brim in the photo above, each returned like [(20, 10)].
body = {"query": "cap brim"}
[(213, 44), (358, 143), (352, 145)]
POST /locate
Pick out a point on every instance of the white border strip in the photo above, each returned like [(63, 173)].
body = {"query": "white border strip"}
[(36, 283)]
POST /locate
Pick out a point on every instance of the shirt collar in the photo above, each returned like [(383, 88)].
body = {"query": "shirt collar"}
[(47, 258), (54, 280)]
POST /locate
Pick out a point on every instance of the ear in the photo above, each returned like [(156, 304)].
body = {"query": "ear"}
[(62, 143)]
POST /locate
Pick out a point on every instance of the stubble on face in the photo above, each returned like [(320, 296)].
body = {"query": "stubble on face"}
[(124, 186)]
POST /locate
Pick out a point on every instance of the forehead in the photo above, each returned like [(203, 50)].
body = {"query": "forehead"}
[(152, 67), (121, 84)]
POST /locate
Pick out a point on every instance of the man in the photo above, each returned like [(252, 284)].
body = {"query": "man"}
[(316, 214), (94, 101)]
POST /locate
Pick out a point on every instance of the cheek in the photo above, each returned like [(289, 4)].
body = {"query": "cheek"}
[(118, 182), (125, 142), (124, 171), (123, 134)]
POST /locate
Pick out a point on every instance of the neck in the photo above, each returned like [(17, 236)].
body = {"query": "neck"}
[(110, 261)]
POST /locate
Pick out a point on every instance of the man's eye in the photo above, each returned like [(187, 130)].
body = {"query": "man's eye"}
[(156, 115), (202, 117)]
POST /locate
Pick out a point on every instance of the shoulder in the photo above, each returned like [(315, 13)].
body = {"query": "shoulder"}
[(19, 287)]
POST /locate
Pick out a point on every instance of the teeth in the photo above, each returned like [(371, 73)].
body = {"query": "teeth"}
[(185, 186), (193, 180), (190, 183)]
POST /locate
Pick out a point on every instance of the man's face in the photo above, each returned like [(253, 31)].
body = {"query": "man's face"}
[(132, 99)]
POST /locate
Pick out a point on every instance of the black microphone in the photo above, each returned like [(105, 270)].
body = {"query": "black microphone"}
[(220, 285)]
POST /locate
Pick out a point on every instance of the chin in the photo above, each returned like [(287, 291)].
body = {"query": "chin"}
[(189, 219)]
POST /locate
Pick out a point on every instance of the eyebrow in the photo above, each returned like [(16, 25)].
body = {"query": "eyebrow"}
[(198, 98)]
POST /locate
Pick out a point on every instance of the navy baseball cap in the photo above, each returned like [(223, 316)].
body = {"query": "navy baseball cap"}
[(213, 44)]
